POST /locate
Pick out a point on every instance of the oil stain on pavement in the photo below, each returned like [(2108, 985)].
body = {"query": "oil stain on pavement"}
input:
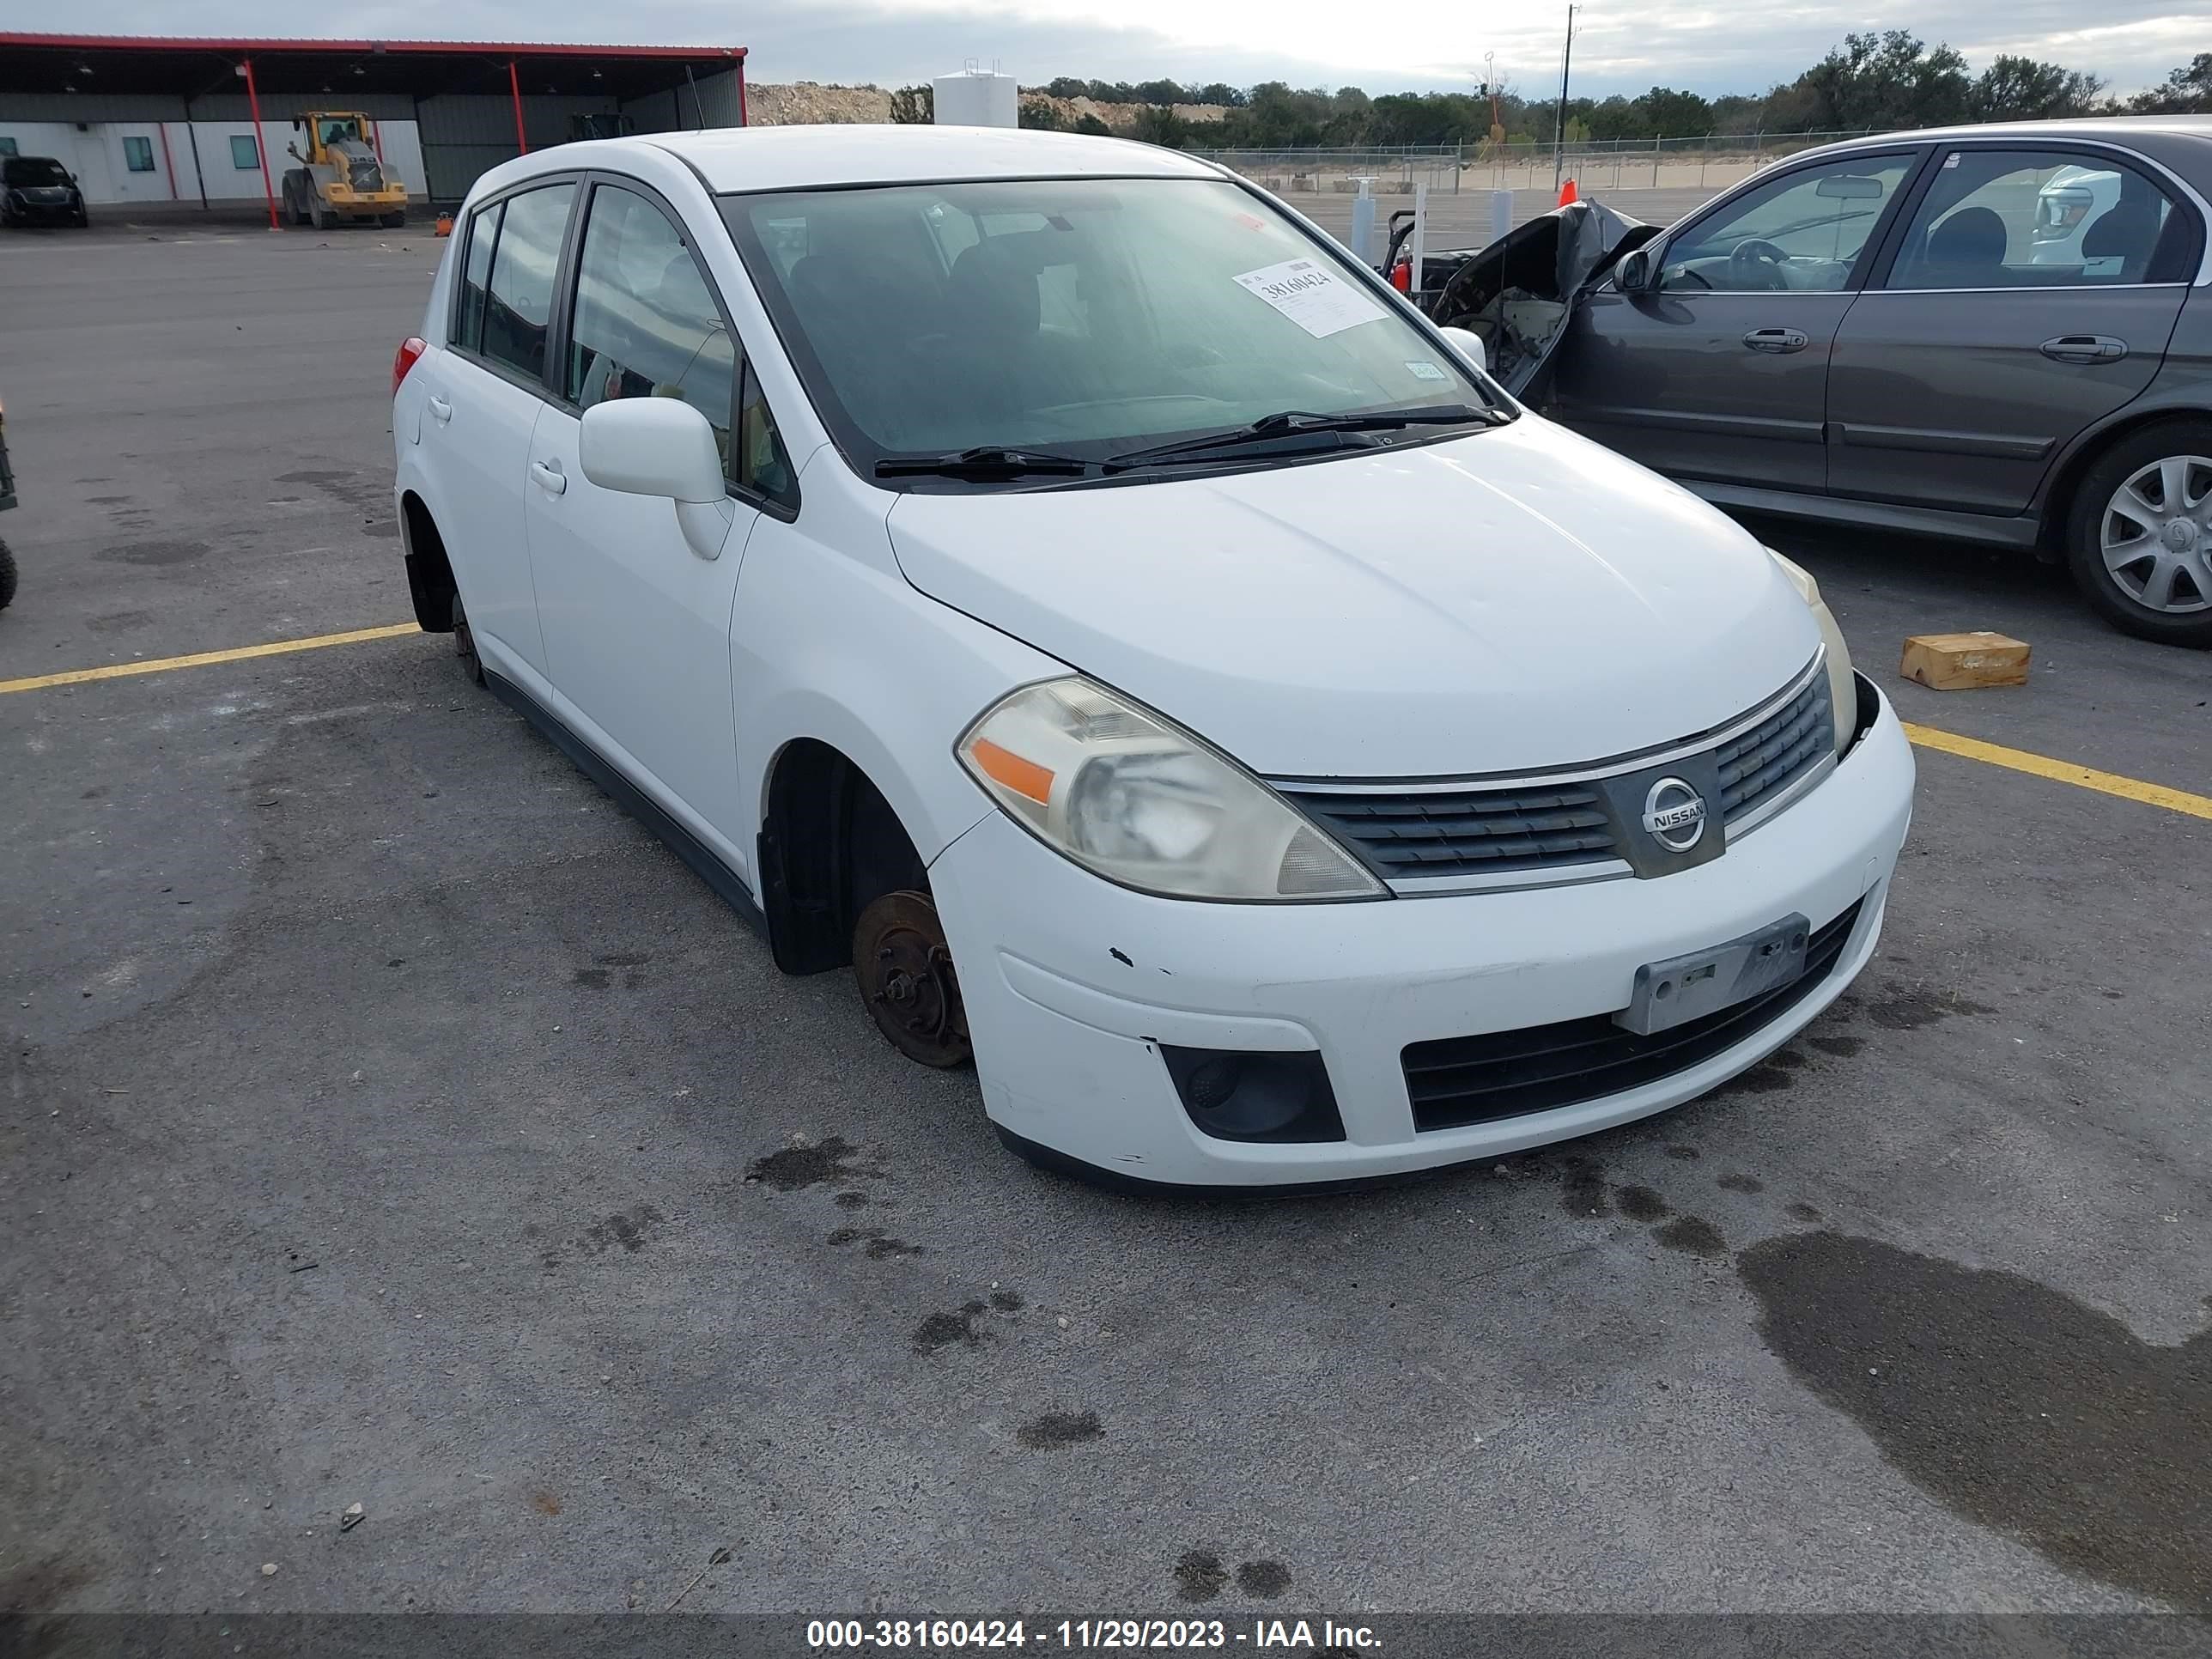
[(807, 1164), (1053, 1430), (2019, 1408)]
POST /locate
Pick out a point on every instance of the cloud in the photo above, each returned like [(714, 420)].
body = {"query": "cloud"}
[(1620, 47)]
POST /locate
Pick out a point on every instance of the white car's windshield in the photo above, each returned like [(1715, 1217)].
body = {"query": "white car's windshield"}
[(1084, 318)]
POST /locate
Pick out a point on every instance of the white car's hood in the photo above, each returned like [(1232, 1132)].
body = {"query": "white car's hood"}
[(1520, 598)]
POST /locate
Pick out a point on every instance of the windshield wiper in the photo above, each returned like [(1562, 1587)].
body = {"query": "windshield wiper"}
[(1296, 423), (984, 462)]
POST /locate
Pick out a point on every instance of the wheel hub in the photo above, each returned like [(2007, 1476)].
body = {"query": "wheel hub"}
[(906, 976), (2154, 536)]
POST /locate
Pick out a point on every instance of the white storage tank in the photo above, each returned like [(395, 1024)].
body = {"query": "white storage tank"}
[(977, 98)]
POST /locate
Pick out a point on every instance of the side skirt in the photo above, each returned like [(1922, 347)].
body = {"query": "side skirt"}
[(1990, 529), (728, 885)]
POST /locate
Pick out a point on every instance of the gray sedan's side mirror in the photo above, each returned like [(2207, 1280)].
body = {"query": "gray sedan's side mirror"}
[(1635, 274)]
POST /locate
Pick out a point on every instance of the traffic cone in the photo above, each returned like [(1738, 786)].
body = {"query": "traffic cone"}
[(445, 225), (1569, 194)]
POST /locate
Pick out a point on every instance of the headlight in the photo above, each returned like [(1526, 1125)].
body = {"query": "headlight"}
[(1121, 792), (1843, 694)]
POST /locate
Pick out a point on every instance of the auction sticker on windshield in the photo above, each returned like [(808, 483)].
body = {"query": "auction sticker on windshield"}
[(1311, 295)]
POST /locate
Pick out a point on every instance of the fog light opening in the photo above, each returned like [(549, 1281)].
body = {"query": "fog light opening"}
[(1234, 1095)]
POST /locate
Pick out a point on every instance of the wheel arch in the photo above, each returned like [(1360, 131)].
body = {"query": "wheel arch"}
[(430, 582), (830, 843), (2056, 516)]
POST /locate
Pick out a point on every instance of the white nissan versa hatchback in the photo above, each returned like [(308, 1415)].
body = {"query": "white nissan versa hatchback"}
[(1046, 576)]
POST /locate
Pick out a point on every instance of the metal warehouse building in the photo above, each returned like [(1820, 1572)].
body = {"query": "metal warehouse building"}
[(188, 124)]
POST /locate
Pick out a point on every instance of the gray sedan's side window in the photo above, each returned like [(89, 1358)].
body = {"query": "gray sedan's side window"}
[(2026, 218), (1803, 231)]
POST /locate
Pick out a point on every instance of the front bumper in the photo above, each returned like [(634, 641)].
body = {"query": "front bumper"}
[(1072, 985), (362, 203), (45, 213)]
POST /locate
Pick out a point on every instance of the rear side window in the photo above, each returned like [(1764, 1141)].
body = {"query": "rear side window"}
[(475, 274), (2024, 218), (519, 298)]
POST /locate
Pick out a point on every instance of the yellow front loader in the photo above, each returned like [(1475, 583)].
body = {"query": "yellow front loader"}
[(339, 177)]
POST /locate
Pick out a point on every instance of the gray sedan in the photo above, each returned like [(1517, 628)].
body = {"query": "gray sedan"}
[(2000, 333)]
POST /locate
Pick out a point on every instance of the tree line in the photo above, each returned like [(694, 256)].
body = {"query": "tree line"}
[(1887, 79)]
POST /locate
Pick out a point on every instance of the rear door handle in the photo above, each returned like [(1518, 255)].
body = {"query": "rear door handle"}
[(2085, 349), (1776, 340), (441, 411), (550, 478)]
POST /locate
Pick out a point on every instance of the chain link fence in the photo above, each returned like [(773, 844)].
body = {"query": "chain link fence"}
[(1709, 162)]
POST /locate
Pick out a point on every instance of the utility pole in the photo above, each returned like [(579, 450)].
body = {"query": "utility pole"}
[(1560, 125)]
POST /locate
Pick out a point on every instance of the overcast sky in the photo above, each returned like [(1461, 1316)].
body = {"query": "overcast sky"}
[(1619, 47)]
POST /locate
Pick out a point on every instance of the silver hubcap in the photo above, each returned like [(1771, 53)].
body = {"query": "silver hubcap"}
[(2156, 535)]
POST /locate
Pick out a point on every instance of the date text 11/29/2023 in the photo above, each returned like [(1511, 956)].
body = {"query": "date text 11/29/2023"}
[(1088, 1635)]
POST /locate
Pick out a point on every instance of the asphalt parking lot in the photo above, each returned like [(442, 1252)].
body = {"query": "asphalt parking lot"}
[(388, 1120)]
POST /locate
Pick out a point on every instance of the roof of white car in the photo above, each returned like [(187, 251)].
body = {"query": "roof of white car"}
[(800, 157)]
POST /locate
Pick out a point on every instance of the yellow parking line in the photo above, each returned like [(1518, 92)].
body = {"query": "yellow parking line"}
[(2081, 777), (1926, 737), (201, 658)]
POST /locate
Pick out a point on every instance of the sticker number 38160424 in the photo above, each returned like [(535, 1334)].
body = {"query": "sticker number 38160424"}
[(1311, 295)]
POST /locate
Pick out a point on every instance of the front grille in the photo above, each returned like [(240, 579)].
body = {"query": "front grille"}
[(1456, 1081), (1484, 831), (1760, 763), (1503, 831)]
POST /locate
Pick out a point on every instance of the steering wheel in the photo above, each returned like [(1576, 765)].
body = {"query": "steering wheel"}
[(1757, 264)]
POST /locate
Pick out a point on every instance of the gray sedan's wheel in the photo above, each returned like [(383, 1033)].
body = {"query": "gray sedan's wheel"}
[(2142, 541)]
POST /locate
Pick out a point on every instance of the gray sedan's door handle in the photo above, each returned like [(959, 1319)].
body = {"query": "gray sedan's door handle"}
[(2085, 349), (550, 479), (1776, 339)]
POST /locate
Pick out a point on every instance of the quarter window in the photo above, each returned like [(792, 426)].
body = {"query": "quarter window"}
[(2013, 218), (244, 151), (475, 275), (7, 147), (138, 154), (519, 297), (1798, 233)]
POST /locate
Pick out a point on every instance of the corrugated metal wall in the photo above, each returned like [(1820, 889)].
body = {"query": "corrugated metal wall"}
[(465, 134), (713, 103)]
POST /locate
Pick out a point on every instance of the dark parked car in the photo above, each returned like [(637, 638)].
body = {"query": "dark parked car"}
[(2002, 333), (37, 189)]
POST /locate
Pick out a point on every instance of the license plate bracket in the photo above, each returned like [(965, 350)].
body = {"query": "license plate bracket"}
[(1681, 988)]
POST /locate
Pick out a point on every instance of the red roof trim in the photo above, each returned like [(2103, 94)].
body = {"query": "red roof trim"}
[(512, 48)]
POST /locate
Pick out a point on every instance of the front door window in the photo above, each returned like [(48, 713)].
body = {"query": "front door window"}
[(1801, 232)]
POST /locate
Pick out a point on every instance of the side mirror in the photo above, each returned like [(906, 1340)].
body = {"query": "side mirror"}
[(660, 446), (1468, 345), (293, 150), (1635, 273)]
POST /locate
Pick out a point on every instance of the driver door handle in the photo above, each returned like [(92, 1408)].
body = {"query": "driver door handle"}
[(1776, 340), (550, 478), (2085, 349)]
